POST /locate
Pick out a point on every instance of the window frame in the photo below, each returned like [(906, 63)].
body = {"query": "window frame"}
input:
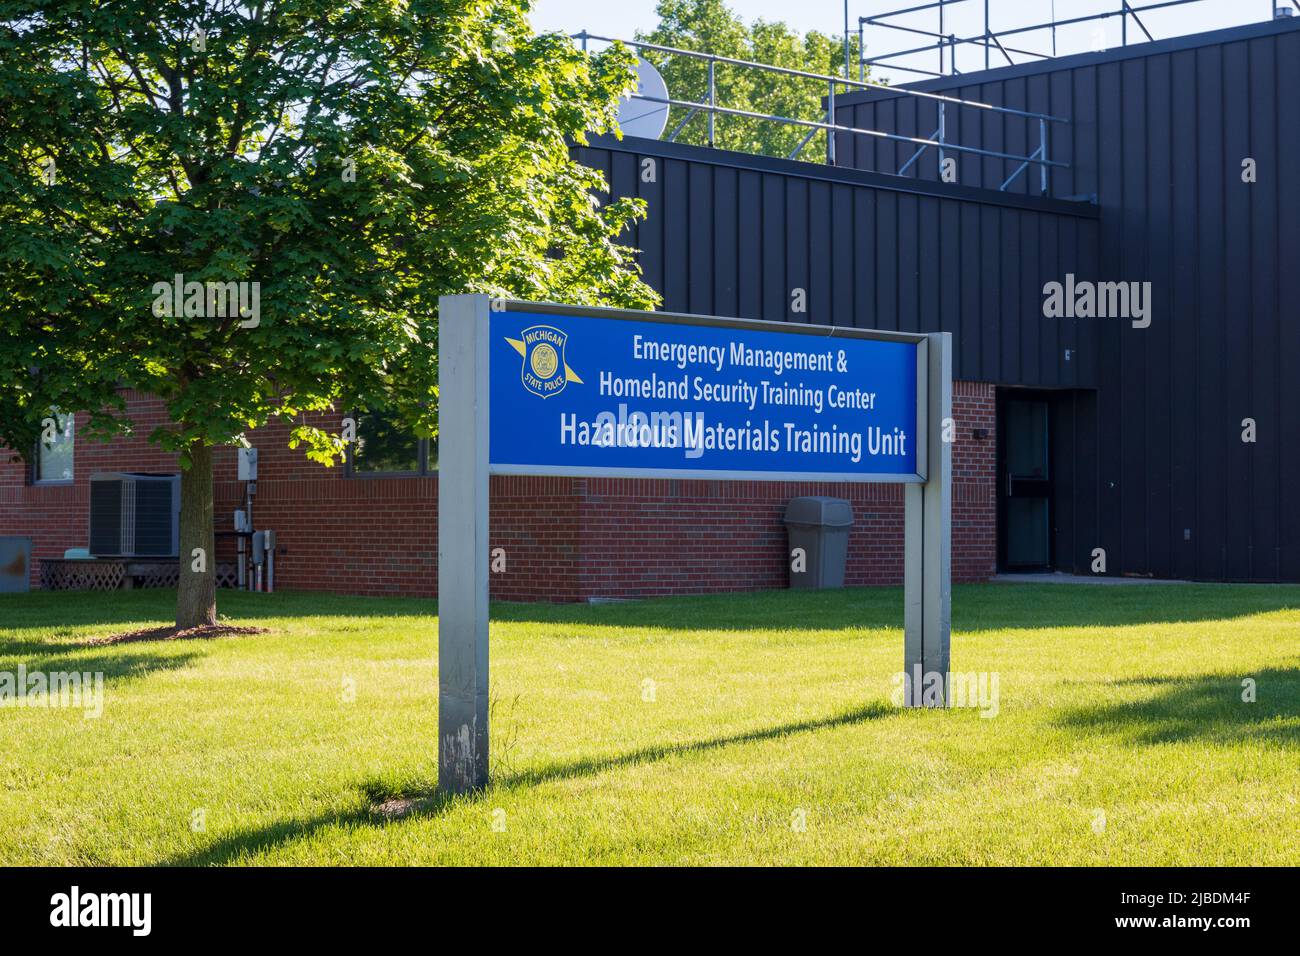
[(422, 456), (34, 474)]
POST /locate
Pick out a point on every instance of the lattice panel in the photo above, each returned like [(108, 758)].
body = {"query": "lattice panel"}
[(82, 575), (156, 575), (101, 575), (227, 576)]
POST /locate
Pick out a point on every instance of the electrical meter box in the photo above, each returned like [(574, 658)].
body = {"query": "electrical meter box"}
[(248, 464)]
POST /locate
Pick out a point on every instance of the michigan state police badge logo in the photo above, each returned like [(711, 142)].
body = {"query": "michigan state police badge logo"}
[(544, 371)]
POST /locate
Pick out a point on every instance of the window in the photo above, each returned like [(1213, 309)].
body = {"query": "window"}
[(54, 457), (385, 447)]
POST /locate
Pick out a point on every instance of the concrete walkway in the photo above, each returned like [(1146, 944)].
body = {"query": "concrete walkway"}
[(1059, 578)]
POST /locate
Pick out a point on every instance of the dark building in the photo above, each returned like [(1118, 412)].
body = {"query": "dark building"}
[(1114, 433)]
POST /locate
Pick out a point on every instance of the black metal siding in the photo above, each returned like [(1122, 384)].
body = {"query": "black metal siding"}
[(732, 234), (1158, 133)]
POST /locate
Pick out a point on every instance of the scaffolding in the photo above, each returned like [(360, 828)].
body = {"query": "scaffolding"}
[(829, 126), (991, 41)]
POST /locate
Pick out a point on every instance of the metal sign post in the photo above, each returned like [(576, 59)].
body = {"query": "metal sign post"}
[(927, 537), (544, 389), (462, 543)]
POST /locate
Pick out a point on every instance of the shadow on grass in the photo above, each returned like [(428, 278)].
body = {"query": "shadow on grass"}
[(427, 801), (1208, 708), (114, 667), (978, 607), (62, 611)]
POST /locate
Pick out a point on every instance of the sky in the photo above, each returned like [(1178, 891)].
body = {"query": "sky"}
[(623, 18)]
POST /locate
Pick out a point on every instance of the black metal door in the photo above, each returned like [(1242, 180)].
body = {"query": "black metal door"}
[(1025, 486)]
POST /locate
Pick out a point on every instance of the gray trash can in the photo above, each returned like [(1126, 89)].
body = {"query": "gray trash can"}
[(820, 526)]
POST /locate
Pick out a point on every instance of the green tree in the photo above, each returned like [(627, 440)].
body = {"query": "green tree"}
[(710, 26), (348, 162)]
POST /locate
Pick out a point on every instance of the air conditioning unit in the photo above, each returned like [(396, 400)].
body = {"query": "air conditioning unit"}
[(135, 515)]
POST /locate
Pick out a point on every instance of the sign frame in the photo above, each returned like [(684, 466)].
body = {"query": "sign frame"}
[(920, 340), (464, 470)]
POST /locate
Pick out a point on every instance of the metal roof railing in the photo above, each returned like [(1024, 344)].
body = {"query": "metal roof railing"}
[(938, 139), (991, 40)]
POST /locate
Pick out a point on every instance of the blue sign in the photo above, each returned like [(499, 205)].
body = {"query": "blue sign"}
[(582, 394)]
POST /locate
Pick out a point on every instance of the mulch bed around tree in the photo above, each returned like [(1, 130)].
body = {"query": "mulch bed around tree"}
[(203, 632)]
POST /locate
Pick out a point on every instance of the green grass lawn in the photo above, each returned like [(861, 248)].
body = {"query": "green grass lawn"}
[(1121, 736)]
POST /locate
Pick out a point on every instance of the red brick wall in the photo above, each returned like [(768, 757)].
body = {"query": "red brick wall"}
[(678, 537), (974, 483), (565, 539)]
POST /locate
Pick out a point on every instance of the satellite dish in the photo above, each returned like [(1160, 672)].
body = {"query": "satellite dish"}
[(645, 118)]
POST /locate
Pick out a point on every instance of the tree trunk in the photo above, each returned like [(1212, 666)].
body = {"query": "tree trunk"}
[(196, 597)]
